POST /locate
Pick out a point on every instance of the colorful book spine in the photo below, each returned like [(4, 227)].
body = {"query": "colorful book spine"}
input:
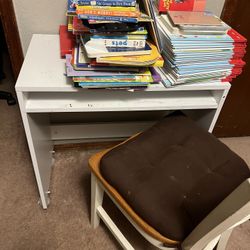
[(107, 3), (113, 79), (122, 43), (71, 9), (70, 23), (106, 8), (109, 18), (128, 37), (103, 12), (67, 41), (111, 85)]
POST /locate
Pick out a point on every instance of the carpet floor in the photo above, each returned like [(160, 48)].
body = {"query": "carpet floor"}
[(65, 225)]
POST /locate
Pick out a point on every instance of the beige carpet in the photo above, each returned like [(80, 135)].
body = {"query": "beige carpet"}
[(65, 225)]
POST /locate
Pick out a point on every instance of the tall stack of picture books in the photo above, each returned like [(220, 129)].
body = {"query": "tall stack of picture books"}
[(115, 44), (198, 47)]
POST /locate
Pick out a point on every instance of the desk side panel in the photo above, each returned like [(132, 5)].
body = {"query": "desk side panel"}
[(38, 135)]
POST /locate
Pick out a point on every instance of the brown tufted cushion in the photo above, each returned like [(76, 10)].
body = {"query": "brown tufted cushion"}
[(173, 174)]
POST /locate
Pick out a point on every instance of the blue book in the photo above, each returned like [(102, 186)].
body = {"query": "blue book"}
[(111, 84), (71, 6), (123, 37), (109, 18), (122, 3)]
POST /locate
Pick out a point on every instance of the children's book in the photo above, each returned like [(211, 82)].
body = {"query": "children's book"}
[(114, 78), (81, 9), (164, 31), (121, 43), (96, 49), (70, 23), (81, 62), (153, 59), (97, 11), (111, 84), (125, 3), (78, 26), (109, 18), (67, 41), (120, 36), (193, 18), (71, 8), (193, 29), (70, 71), (180, 5)]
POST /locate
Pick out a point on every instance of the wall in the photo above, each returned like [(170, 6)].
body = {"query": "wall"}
[(215, 6), (38, 16), (45, 16)]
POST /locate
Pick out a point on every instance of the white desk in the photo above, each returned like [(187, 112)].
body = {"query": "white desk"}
[(46, 97)]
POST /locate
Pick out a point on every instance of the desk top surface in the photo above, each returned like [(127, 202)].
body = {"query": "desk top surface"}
[(44, 71)]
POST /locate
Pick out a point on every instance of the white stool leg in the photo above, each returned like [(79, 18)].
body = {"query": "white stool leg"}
[(96, 200), (224, 239)]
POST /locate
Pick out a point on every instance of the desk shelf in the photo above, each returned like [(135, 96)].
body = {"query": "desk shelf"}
[(101, 100)]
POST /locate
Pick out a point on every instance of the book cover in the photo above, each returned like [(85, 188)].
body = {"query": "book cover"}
[(177, 37), (112, 84), (80, 8), (122, 37), (70, 71), (95, 49), (78, 26), (154, 59), (122, 43), (237, 37), (155, 75), (109, 18), (108, 11), (71, 7), (67, 41), (181, 5), (115, 78), (81, 62), (124, 3), (194, 18), (70, 23)]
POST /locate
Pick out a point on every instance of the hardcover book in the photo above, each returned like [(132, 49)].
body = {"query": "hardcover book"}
[(67, 41)]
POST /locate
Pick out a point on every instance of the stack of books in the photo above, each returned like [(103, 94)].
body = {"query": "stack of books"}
[(199, 47), (115, 44)]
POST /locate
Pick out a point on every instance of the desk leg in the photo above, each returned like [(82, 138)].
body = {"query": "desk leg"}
[(38, 135)]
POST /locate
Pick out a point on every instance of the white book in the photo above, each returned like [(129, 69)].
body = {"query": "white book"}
[(96, 49), (121, 43)]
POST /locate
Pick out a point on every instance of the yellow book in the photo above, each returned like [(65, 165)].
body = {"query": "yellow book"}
[(70, 23), (153, 59), (159, 63)]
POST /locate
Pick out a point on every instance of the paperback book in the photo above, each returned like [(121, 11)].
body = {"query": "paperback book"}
[(125, 3)]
